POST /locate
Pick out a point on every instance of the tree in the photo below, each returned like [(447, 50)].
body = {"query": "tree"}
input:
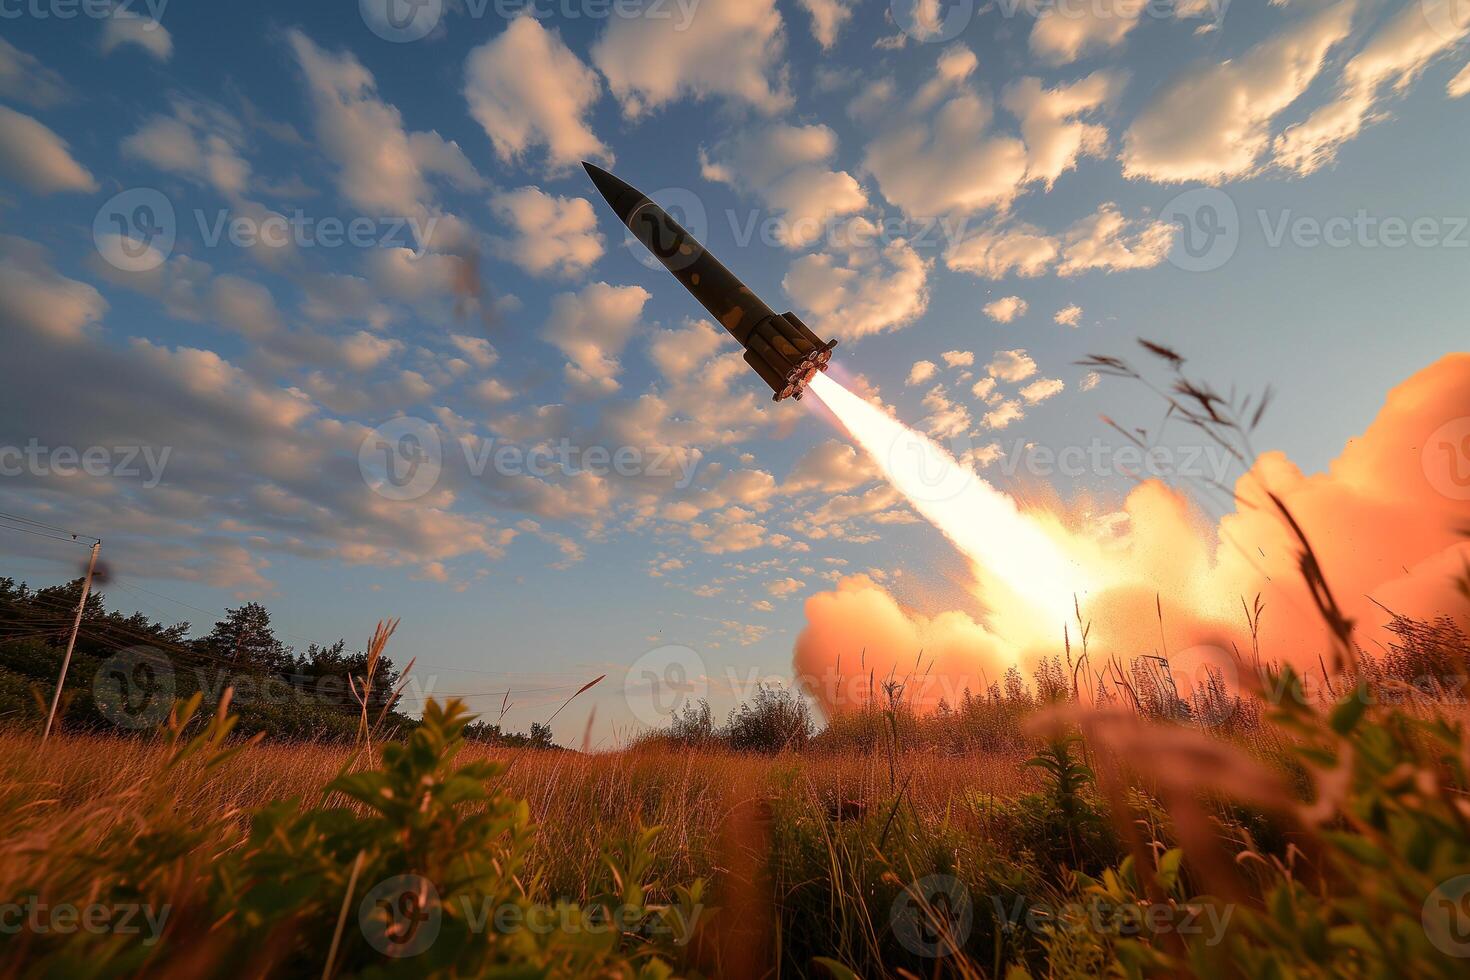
[(540, 736), (244, 638)]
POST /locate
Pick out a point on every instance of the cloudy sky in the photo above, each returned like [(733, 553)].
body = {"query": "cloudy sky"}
[(246, 250)]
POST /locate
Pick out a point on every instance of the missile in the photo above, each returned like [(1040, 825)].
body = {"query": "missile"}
[(779, 347)]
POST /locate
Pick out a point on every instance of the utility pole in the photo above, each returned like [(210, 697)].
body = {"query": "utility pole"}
[(70, 644)]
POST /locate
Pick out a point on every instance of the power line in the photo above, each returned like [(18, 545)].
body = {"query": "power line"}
[(74, 535), (43, 534)]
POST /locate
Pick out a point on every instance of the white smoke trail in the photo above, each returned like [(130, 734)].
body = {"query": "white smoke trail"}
[(1007, 545)]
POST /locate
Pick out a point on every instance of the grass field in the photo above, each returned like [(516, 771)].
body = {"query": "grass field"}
[(1113, 843)]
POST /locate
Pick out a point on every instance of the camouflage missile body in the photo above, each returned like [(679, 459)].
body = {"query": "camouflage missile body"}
[(779, 347)]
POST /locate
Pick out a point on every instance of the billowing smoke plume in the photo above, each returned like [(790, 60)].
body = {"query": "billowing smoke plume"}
[(1387, 521)]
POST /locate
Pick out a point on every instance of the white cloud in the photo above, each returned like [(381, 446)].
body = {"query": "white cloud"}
[(948, 161), (265, 471), (997, 252), (555, 235), (857, 291), (726, 538), (492, 391), (1459, 86), (382, 168), (36, 298), (959, 358), (946, 419), (1042, 389), (828, 16), (197, 141), (1391, 59), (24, 79), (1215, 124), (1055, 137), (38, 159), (1090, 380), (831, 467), (1069, 316), (527, 89), (125, 27), (1107, 241), (875, 97), (1104, 240), (952, 68), (1006, 309), (363, 351), (788, 168), (245, 307), (1004, 414), (1063, 32), (404, 274), (592, 328), (921, 371), (1011, 366), (784, 586), (477, 349), (732, 50)]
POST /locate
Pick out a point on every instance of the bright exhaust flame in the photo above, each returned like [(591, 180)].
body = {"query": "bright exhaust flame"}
[(1156, 575), (1021, 553)]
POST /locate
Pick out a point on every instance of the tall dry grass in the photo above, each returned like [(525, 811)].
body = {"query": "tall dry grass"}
[(577, 800)]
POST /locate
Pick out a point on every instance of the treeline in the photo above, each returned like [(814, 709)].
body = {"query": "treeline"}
[(128, 670)]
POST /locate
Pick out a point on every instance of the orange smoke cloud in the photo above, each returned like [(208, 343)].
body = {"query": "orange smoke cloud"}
[(1387, 520)]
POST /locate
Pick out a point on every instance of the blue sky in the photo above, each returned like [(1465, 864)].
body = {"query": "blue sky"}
[(1007, 190)]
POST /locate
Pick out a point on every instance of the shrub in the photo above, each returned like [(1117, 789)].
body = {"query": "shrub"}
[(417, 843)]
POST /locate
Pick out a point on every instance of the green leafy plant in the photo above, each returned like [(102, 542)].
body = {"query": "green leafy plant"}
[(413, 867)]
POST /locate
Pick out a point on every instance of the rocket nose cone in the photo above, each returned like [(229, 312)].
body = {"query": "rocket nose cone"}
[(623, 197)]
